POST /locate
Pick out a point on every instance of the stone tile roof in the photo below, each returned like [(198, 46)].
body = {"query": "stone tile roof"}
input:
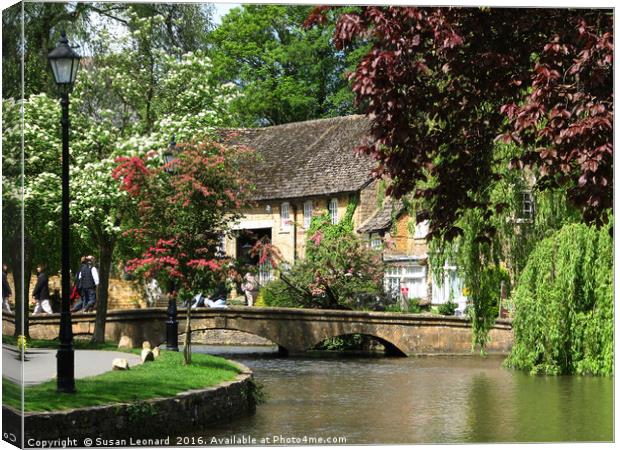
[(382, 218), (309, 158)]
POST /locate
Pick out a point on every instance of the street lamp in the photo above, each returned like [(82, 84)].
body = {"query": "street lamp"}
[(65, 62), (172, 324)]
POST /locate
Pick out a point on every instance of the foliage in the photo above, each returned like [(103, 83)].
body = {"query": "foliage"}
[(344, 343), (255, 391), (447, 309), (412, 307), (182, 29), (180, 217), (286, 73), (435, 115), (339, 268), (277, 294), (164, 377), (138, 411), (563, 319)]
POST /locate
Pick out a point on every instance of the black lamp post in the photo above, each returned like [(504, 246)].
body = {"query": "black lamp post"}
[(65, 62), (172, 324)]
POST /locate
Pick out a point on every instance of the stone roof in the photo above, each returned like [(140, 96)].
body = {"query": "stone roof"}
[(382, 218), (309, 158)]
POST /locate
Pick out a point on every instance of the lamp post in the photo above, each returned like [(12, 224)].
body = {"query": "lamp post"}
[(65, 62), (172, 324)]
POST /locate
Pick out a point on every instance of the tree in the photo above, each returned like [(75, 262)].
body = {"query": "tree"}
[(31, 200), (181, 217), (435, 114), (564, 305), (286, 73), (437, 118), (182, 29)]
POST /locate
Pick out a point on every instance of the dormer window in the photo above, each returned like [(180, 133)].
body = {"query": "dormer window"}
[(333, 210), (307, 213), (285, 219)]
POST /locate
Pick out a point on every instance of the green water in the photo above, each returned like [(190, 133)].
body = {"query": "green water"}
[(421, 400)]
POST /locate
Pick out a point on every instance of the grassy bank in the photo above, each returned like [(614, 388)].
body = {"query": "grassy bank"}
[(164, 377), (78, 344)]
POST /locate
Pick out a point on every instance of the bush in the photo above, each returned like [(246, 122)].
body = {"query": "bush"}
[(563, 318), (447, 309), (277, 294), (413, 307)]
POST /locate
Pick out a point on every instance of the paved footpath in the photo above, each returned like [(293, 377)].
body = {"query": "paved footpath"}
[(40, 364)]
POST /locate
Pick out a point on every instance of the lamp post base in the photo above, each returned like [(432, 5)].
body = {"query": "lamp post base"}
[(172, 327), (65, 381)]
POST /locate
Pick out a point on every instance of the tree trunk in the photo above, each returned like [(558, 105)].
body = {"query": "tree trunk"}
[(21, 289), (106, 249), (187, 342)]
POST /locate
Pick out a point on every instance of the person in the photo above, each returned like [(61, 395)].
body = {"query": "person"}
[(153, 292), (250, 288), (88, 280), (41, 293), (55, 300), (6, 289)]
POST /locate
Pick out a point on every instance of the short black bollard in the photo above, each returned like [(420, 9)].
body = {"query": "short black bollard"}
[(172, 326)]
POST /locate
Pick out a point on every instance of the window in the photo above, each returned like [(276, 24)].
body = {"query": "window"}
[(376, 243), (265, 273), (333, 210), (307, 213), (220, 249), (421, 230), (285, 220), (450, 288), (409, 279), (527, 206)]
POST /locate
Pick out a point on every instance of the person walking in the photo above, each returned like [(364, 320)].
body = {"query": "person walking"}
[(88, 280), (41, 293), (6, 289)]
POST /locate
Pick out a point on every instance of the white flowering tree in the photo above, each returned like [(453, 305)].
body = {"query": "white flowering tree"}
[(125, 103), (38, 191)]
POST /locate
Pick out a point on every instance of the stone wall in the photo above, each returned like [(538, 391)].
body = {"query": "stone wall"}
[(122, 294), (227, 337), (180, 415)]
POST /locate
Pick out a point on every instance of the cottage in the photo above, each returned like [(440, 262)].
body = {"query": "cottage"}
[(310, 168)]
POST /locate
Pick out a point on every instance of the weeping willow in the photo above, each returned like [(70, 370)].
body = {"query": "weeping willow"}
[(563, 321), (501, 255)]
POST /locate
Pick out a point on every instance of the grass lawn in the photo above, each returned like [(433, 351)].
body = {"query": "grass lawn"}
[(78, 344), (164, 377)]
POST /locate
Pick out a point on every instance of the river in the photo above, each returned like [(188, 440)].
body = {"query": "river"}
[(434, 399)]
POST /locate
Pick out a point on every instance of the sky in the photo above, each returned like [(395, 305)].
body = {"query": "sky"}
[(221, 9)]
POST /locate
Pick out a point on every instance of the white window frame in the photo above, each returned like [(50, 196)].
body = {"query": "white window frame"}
[(333, 210), (527, 207), (376, 241), (421, 230), (307, 213), (285, 217), (397, 276)]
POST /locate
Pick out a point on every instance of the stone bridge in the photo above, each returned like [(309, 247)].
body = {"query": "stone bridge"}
[(293, 330)]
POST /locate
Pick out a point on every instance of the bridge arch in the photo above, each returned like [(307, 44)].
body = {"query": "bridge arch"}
[(391, 349)]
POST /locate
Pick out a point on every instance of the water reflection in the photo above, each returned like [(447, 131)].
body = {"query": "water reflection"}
[(422, 400)]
